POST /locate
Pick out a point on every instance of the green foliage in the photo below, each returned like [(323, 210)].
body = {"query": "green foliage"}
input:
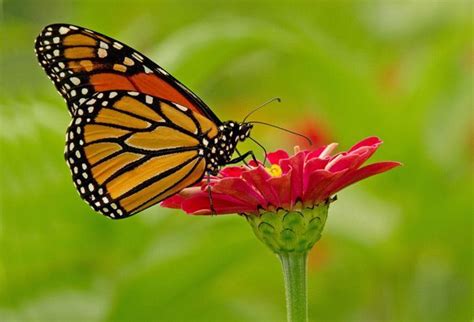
[(397, 247)]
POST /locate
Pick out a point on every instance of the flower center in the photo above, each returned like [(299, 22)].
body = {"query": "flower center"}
[(274, 170)]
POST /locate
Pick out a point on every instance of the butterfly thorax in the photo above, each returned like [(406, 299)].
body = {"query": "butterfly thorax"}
[(219, 150)]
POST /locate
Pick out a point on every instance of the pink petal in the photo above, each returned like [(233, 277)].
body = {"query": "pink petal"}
[(172, 202), (275, 157), (355, 158), (315, 164), (254, 164), (360, 174), (316, 153), (342, 163), (199, 205), (258, 178), (240, 190), (296, 164), (370, 141), (231, 171), (281, 185), (318, 182), (186, 192), (363, 153)]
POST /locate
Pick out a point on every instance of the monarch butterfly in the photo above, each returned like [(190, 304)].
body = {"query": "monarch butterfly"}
[(137, 135)]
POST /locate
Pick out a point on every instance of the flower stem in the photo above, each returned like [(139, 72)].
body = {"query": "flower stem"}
[(294, 271)]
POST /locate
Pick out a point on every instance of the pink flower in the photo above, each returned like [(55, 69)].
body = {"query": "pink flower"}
[(304, 179)]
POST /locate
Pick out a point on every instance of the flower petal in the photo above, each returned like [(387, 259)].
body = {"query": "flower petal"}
[(315, 164), (317, 185), (282, 187), (240, 190), (296, 164), (343, 163), (316, 153), (223, 204), (275, 157), (360, 174), (232, 171), (258, 178), (370, 141), (172, 202)]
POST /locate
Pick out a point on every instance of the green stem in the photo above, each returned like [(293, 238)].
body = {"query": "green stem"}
[(294, 271)]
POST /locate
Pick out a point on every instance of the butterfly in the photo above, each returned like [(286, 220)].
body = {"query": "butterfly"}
[(137, 135)]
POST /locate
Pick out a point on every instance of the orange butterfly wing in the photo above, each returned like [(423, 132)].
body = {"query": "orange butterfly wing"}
[(128, 151), (81, 62)]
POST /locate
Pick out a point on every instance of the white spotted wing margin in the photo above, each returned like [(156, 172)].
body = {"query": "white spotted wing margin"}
[(96, 173)]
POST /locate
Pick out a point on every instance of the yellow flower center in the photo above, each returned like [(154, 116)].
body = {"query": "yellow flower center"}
[(274, 170)]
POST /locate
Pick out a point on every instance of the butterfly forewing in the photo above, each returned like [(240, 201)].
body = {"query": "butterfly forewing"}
[(128, 151), (81, 63)]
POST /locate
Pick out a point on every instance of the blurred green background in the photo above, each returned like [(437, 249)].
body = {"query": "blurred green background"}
[(397, 247)]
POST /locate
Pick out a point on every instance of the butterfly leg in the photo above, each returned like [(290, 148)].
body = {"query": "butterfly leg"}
[(242, 157), (211, 202)]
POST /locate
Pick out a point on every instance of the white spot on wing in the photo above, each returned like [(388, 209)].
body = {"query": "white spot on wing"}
[(182, 108), (138, 56), (63, 30), (102, 52), (128, 61), (75, 80), (161, 70)]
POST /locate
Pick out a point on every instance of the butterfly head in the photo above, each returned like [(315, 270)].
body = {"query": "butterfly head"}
[(236, 131)]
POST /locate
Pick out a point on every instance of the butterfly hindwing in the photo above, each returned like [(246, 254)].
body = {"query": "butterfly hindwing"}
[(128, 151), (81, 63)]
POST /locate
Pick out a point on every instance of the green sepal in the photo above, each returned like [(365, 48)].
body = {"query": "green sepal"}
[(285, 231)]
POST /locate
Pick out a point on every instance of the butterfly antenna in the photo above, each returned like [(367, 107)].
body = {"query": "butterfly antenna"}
[(263, 148), (259, 107), (283, 129)]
